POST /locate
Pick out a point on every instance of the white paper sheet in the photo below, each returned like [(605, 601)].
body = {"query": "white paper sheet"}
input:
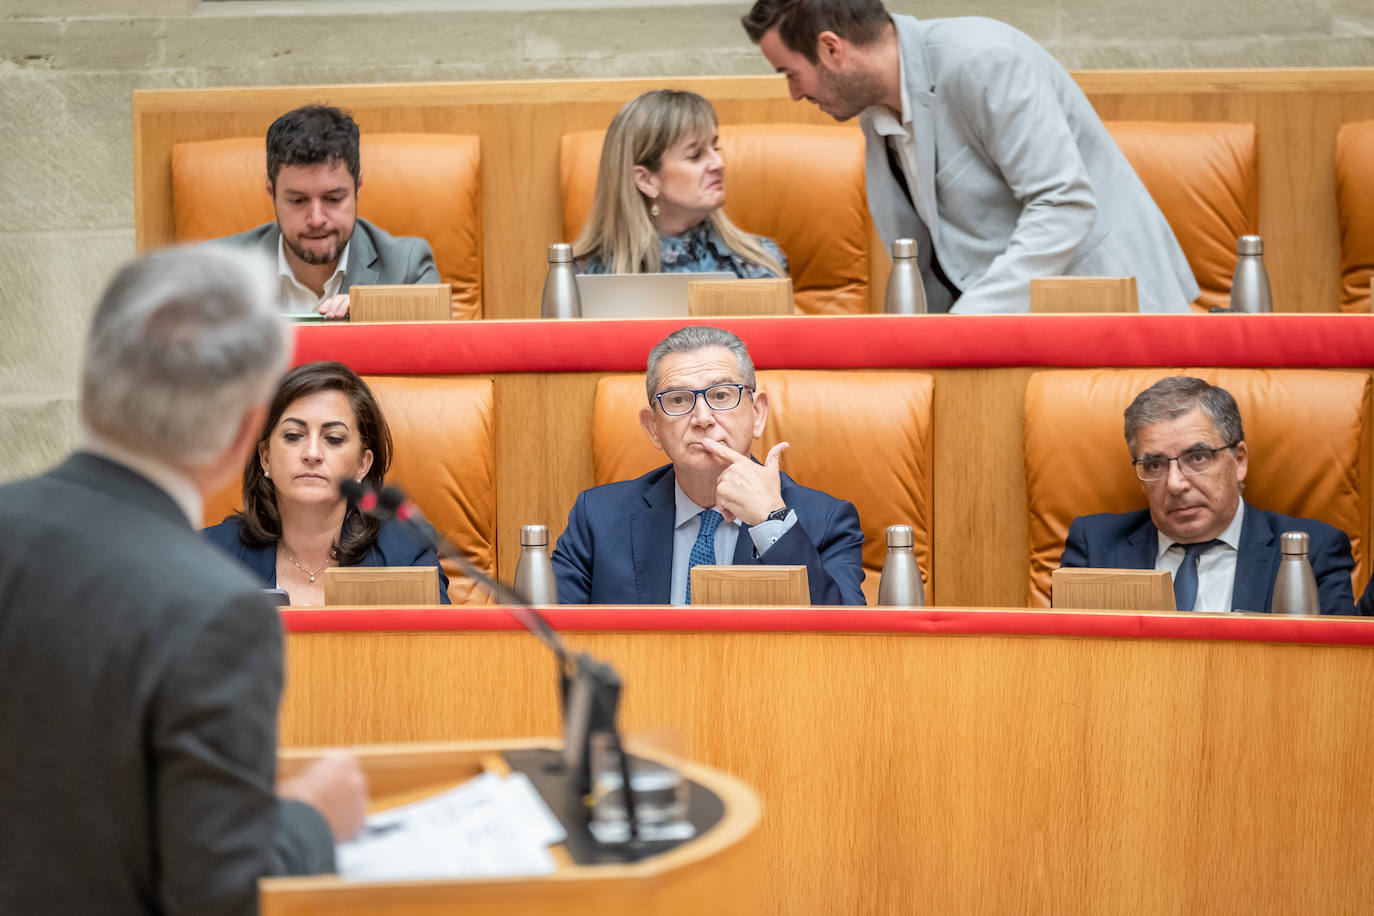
[(488, 827)]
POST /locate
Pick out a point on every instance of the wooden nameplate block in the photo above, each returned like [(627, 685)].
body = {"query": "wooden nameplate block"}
[(357, 586), (413, 302), (714, 298), (1112, 589), (1049, 295), (741, 586)]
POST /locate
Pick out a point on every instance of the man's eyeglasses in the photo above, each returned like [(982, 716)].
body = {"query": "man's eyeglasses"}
[(678, 401), (1191, 461)]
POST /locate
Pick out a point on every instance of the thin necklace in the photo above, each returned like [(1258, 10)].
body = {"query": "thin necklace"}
[(297, 563)]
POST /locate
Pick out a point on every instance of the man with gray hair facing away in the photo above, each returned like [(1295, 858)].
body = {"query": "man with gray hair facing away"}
[(636, 541), (1188, 448), (142, 668)]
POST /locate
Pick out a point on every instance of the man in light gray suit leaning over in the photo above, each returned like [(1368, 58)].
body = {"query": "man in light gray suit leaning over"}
[(982, 148), (321, 247)]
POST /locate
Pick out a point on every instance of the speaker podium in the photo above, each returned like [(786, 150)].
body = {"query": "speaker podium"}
[(718, 872)]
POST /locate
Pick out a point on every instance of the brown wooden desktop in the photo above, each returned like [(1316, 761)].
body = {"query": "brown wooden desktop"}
[(716, 872)]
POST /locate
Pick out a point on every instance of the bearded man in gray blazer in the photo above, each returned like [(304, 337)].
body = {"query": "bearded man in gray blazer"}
[(321, 247), (142, 667), (982, 148)]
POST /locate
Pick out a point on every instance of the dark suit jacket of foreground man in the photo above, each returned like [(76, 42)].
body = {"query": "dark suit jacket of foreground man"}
[(1129, 540), (141, 672), (618, 546)]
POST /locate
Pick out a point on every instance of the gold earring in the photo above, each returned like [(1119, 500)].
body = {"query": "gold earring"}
[(653, 209)]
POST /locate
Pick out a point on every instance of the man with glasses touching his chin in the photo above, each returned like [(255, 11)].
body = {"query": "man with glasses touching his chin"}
[(1188, 448), (634, 542)]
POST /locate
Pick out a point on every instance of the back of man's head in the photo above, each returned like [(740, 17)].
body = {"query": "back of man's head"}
[(800, 22), (183, 344), (1177, 395), (313, 135)]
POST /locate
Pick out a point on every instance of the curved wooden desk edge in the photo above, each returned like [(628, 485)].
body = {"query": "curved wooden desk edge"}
[(437, 762)]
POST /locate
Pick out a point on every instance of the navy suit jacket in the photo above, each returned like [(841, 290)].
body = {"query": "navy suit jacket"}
[(618, 546), (1366, 605), (1130, 541), (396, 546)]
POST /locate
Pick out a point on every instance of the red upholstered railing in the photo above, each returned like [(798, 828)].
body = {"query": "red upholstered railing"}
[(934, 621), (863, 341)]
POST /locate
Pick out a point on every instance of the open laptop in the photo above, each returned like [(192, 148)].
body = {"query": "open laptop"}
[(639, 295)]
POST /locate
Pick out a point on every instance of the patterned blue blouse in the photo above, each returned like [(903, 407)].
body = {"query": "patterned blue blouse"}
[(700, 250)]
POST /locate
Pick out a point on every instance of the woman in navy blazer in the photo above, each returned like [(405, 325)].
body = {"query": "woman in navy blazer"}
[(323, 427)]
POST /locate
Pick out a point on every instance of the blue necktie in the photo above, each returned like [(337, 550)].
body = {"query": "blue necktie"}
[(704, 549), (1185, 583)]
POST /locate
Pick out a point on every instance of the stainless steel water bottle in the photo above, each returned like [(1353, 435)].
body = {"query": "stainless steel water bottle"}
[(561, 297), (906, 294), (900, 585), (1250, 282), (1295, 587), (534, 577)]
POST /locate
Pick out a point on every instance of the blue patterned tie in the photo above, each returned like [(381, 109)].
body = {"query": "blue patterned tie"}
[(704, 550), (1185, 583)]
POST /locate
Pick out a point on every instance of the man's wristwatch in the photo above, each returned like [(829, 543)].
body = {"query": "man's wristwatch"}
[(778, 515)]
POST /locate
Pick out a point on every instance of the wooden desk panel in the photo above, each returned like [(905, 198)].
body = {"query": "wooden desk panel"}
[(946, 773), (1296, 114), (545, 375)]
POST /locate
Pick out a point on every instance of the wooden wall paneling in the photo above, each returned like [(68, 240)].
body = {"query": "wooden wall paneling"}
[(950, 774), (544, 458), (520, 124), (1296, 114), (981, 540)]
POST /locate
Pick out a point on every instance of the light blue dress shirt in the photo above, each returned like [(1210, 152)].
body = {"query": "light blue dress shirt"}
[(686, 524)]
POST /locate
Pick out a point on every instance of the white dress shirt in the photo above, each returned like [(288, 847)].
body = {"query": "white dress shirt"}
[(296, 297), (686, 524), (1216, 568), (900, 135)]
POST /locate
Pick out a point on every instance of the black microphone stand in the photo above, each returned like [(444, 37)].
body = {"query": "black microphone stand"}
[(589, 689)]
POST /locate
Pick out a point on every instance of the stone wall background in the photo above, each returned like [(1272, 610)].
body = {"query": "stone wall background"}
[(67, 68)]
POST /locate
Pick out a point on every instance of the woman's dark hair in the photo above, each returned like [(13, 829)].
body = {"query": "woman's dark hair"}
[(260, 520)]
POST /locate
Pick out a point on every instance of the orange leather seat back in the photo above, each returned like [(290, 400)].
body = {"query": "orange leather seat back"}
[(1355, 212), (1305, 431), (444, 435), (798, 184), (1205, 178), (426, 185), (861, 436)]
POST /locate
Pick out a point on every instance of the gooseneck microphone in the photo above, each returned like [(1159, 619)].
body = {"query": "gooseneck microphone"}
[(589, 688), (390, 503)]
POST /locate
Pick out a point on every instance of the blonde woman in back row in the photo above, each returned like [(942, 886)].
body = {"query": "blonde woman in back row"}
[(660, 190)]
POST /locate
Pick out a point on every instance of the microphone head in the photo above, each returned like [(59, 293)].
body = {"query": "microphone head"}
[(359, 494), (392, 501)]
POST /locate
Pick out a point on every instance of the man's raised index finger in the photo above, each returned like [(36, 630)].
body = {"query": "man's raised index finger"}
[(723, 450)]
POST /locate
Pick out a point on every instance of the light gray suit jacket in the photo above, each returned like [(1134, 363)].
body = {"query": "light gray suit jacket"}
[(1016, 175), (376, 256)]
